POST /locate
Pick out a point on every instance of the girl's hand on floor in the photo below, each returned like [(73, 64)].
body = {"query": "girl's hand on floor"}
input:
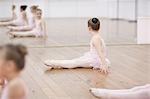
[(104, 70)]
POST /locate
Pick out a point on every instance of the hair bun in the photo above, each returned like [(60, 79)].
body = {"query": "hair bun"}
[(22, 50), (94, 20)]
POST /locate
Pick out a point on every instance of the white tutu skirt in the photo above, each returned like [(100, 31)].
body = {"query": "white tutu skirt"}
[(93, 59)]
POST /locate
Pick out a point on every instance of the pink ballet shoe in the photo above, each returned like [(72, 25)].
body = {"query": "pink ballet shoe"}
[(48, 68), (99, 93), (48, 63), (93, 91)]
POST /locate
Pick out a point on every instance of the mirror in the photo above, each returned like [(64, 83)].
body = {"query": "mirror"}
[(66, 21)]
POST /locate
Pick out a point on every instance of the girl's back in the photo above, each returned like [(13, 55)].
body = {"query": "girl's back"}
[(14, 89), (92, 46)]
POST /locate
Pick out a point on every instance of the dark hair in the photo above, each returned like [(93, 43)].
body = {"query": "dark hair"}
[(15, 53), (94, 23), (34, 7), (23, 7), (13, 6)]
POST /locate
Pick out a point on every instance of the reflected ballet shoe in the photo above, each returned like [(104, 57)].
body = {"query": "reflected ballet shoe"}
[(11, 36)]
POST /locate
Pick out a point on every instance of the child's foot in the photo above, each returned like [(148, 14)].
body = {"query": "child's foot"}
[(47, 68), (9, 27), (51, 64), (100, 93), (11, 35), (48, 65)]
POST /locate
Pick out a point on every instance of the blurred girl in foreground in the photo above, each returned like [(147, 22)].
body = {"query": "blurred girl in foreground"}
[(12, 63)]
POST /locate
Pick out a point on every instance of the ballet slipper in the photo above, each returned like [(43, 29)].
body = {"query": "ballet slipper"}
[(99, 93), (48, 68), (10, 34), (48, 63)]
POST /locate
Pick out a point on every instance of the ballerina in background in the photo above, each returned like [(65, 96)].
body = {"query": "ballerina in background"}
[(14, 15), (20, 20), (95, 58), (38, 31), (139, 92), (31, 23), (12, 63)]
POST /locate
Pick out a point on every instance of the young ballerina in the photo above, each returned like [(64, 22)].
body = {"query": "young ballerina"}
[(95, 58), (31, 23), (139, 92), (12, 62), (38, 31), (20, 21), (14, 15)]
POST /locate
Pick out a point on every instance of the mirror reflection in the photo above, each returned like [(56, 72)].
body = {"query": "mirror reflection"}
[(64, 22)]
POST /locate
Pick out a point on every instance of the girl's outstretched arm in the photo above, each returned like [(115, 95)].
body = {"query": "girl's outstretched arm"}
[(98, 45)]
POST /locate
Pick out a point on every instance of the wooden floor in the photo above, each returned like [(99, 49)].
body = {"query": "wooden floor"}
[(130, 67)]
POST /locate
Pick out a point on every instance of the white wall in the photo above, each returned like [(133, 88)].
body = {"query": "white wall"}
[(127, 9), (143, 30), (112, 8), (29, 3), (5, 8), (90, 8), (143, 8), (77, 8), (143, 25)]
